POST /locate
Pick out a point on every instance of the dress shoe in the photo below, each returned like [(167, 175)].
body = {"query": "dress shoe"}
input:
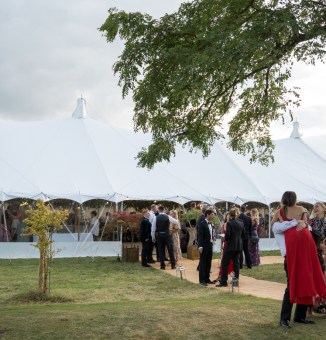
[(285, 324), (305, 321), (203, 284), (172, 267), (163, 268), (221, 285), (210, 282), (145, 265)]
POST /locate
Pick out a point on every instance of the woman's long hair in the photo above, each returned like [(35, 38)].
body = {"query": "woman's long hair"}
[(289, 199)]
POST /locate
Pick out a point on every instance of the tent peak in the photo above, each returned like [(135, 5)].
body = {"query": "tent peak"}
[(80, 111), (295, 132)]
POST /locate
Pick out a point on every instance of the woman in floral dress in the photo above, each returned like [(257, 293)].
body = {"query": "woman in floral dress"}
[(175, 229)]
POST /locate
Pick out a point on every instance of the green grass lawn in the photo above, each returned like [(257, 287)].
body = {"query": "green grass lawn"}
[(114, 300), (268, 272)]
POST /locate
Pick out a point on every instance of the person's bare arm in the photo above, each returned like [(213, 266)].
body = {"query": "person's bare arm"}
[(276, 217)]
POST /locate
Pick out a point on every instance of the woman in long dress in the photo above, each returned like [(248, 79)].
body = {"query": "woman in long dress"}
[(254, 247), (305, 280), (175, 229), (223, 247)]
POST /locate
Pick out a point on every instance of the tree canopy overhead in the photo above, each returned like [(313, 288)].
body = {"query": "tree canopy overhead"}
[(215, 59)]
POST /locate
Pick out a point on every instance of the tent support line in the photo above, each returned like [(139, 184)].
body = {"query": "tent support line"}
[(64, 223), (106, 221)]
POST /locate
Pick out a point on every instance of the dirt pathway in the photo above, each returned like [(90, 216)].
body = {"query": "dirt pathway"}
[(248, 285)]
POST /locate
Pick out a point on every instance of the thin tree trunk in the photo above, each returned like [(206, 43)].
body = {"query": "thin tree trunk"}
[(41, 270)]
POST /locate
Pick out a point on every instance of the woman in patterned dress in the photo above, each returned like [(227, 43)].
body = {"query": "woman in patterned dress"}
[(175, 229)]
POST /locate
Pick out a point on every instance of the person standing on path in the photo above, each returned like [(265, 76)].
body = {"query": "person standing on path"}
[(161, 226), (205, 247), (305, 280), (247, 236), (233, 236), (152, 215), (146, 239)]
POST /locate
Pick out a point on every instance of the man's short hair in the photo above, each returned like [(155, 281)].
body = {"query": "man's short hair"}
[(94, 213), (153, 206), (208, 212), (160, 208), (243, 208), (145, 211)]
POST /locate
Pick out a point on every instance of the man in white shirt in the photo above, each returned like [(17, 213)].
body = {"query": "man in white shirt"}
[(152, 215)]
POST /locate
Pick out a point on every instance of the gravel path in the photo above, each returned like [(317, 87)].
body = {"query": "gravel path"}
[(247, 285)]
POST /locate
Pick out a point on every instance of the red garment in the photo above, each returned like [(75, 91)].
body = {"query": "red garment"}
[(230, 267), (305, 277)]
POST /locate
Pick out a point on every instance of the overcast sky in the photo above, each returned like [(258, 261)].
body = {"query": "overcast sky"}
[(52, 52)]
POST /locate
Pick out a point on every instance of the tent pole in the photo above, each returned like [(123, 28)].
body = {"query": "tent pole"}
[(269, 223), (78, 222)]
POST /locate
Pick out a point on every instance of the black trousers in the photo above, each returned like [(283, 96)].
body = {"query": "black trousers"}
[(227, 257), (146, 252), (300, 310), (205, 262), (246, 253), (164, 240)]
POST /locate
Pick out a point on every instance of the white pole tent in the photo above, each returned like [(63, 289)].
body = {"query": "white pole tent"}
[(80, 159)]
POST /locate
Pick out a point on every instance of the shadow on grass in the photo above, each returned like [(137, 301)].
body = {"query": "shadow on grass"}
[(35, 296)]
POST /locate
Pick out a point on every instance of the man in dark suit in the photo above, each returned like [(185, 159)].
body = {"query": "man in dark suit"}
[(200, 219), (248, 227), (161, 225), (205, 247), (233, 237), (146, 239)]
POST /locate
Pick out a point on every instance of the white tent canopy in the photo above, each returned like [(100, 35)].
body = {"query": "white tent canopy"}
[(81, 159)]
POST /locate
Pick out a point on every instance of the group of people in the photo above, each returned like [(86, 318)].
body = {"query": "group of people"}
[(239, 235), (161, 230), (301, 241)]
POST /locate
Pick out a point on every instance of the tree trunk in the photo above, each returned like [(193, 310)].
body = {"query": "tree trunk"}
[(43, 271)]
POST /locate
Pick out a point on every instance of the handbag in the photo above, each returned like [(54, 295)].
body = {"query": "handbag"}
[(254, 239)]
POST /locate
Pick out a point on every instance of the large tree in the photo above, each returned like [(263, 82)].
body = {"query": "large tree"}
[(210, 60)]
